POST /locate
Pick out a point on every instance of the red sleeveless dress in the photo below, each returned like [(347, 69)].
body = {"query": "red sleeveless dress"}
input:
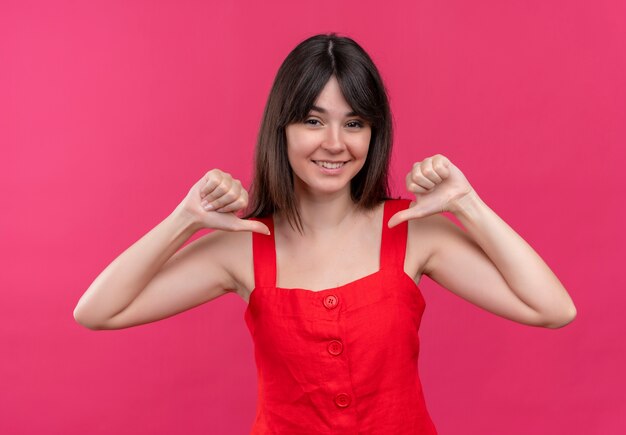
[(341, 360)]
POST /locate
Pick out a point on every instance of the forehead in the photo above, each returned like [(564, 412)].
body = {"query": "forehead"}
[(331, 100)]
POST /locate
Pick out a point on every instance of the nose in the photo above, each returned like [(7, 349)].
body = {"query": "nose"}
[(333, 142)]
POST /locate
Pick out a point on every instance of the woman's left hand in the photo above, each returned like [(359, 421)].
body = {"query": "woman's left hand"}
[(437, 184)]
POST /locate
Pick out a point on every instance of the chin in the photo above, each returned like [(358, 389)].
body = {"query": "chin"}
[(327, 189)]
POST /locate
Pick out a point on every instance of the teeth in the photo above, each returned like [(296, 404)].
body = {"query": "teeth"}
[(329, 165)]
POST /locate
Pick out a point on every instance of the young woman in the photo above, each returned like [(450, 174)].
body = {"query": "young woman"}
[(327, 261)]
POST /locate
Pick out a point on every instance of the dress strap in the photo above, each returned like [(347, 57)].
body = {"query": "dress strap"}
[(393, 243), (264, 255)]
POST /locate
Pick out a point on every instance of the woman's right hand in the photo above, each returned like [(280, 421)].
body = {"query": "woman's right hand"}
[(225, 196)]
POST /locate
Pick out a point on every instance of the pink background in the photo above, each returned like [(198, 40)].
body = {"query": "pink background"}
[(111, 110)]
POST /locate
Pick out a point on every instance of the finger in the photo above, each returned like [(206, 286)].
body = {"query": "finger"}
[(228, 198), (412, 186), (429, 172), (399, 217), (238, 204), (441, 165), (416, 176), (415, 188), (252, 225), (413, 212), (425, 183), (213, 179), (221, 189)]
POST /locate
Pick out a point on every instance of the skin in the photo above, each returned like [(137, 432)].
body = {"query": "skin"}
[(488, 264)]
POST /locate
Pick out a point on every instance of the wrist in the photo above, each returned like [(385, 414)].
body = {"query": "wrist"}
[(467, 206), (185, 220)]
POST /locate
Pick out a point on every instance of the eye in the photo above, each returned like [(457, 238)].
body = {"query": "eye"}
[(358, 124), (311, 120)]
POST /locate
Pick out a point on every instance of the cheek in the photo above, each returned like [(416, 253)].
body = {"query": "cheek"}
[(295, 155), (292, 147), (299, 149), (294, 140), (365, 143), (363, 148)]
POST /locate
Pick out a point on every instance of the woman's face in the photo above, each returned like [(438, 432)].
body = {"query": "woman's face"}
[(330, 146)]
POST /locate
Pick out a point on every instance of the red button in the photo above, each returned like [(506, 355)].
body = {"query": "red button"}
[(335, 347), (331, 301), (342, 400)]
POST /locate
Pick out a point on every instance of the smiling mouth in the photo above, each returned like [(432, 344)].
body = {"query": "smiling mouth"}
[(329, 165)]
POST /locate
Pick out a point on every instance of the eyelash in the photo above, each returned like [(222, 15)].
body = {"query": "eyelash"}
[(359, 123)]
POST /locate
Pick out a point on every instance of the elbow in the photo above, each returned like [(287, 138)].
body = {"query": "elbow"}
[(562, 320), (85, 321)]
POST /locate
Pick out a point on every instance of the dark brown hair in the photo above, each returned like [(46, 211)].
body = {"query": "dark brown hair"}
[(300, 79)]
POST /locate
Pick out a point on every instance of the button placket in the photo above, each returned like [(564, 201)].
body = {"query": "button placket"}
[(335, 347)]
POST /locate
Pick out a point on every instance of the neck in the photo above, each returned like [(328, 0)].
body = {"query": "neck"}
[(325, 214)]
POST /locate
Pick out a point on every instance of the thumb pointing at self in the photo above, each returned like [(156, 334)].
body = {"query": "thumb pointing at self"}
[(252, 225), (415, 211), (437, 184)]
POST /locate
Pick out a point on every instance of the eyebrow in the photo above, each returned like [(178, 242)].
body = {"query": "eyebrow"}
[(322, 110)]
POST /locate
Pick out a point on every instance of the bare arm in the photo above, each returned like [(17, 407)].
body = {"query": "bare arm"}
[(490, 264), (129, 274), (151, 280), (495, 268)]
